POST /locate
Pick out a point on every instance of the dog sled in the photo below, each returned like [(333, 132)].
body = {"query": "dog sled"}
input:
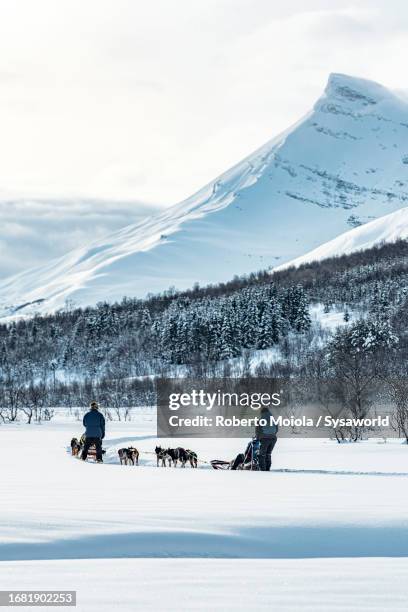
[(91, 454), (77, 447), (243, 461)]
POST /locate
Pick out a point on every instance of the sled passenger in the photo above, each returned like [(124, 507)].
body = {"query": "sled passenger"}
[(94, 423), (249, 459), (267, 436)]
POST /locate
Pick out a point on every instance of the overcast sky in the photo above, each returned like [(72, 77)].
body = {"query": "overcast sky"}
[(146, 101)]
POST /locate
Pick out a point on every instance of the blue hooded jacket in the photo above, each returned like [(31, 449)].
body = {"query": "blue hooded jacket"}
[(267, 431), (94, 423)]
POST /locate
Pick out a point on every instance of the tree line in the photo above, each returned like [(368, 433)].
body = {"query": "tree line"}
[(115, 351)]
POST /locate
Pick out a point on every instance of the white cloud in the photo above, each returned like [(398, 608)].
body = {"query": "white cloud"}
[(128, 99), (32, 232), (133, 100)]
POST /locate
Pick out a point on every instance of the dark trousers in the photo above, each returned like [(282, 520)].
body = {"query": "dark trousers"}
[(265, 452), (90, 442), (239, 459)]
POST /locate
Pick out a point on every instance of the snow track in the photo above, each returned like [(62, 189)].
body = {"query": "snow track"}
[(206, 464), (340, 472)]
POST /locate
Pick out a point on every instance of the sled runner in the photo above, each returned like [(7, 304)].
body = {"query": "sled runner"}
[(218, 464)]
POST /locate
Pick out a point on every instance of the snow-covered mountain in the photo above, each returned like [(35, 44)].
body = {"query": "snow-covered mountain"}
[(385, 229), (344, 164)]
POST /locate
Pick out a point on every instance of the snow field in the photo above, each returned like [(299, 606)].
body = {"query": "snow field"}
[(141, 538), (140, 585)]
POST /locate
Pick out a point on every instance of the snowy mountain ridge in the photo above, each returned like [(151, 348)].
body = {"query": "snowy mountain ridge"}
[(344, 164), (389, 228)]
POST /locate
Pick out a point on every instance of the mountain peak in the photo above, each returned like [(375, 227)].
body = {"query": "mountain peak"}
[(343, 165), (355, 91)]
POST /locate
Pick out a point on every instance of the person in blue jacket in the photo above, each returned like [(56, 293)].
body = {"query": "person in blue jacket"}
[(267, 436), (94, 423)]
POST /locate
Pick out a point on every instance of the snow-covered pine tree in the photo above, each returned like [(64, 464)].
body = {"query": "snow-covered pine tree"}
[(296, 308), (269, 327), (145, 319)]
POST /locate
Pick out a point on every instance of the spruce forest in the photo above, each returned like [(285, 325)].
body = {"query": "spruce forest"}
[(257, 325)]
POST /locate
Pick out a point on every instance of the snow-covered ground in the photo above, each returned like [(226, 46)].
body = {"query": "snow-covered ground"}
[(329, 534), (328, 320), (389, 228), (310, 585)]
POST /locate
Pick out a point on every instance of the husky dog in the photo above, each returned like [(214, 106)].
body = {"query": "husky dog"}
[(75, 447), (133, 455), (173, 455), (128, 456), (192, 457), (183, 455), (161, 456)]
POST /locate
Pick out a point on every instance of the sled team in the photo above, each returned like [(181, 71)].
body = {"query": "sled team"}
[(173, 455), (257, 456)]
